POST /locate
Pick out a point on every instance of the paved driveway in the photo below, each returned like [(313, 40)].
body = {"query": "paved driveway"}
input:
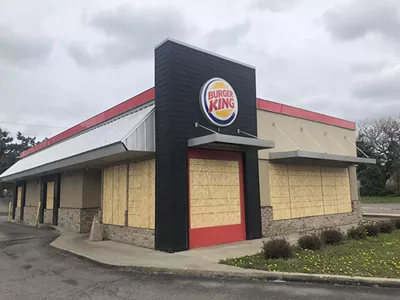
[(30, 269), (381, 208)]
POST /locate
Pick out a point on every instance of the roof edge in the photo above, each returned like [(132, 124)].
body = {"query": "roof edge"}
[(300, 113), (111, 149), (112, 112), (204, 51)]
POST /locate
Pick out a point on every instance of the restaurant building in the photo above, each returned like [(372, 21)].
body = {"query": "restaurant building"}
[(197, 160)]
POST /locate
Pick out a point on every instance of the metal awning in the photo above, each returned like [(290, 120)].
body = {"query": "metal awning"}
[(315, 158), (229, 142), (126, 136)]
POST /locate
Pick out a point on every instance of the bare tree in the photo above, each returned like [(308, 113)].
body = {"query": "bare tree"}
[(381, 139)]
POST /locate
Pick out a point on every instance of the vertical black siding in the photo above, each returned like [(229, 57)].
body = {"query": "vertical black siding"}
[(180, 72)]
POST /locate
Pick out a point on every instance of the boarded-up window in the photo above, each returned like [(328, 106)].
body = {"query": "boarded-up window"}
[(115, 195), (302, 191), (50, 195), (214, 193), (141, 199), (19, 196)]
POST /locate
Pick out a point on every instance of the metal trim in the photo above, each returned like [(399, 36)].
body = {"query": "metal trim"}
[(297, 154), (230, 139), (204, 51)]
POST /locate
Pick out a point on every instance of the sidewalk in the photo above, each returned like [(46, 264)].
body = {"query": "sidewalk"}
[(118, 254), (196, 262)]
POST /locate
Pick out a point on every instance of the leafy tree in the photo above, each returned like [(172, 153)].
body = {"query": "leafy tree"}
[(10, 150), (5, 149)]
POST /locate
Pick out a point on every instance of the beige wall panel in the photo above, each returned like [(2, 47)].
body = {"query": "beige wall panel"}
[(32, 195), (353, 183), (91, 194), (214, 193), (291, 127), (119, 194), (71, 189), (108, 183), (50, 195), (19, 196), (265, 186), (141, 197)]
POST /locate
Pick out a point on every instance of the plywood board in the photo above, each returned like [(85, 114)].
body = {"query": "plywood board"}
[(119, 194), (310, 191), (214, 193), (141, 196), (19, 196), (108, 182), (50, 195)]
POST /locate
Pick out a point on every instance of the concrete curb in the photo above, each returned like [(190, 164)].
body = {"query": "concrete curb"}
[(379, 215), (251, 275)]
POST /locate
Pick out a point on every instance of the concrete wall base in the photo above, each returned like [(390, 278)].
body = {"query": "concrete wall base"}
[(129, 235), (308, 224)]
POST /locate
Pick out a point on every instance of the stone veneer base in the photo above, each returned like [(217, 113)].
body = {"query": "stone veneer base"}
[(272, 227), (129, 235), (78, 220)]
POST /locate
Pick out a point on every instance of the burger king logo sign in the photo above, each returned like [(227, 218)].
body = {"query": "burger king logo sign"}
[(218, 102)]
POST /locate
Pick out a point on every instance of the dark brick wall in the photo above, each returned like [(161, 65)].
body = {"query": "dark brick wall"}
[(180, 72)]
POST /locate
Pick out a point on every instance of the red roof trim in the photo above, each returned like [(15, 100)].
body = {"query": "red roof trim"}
[(131, 103), (303, 114), (149, 95)]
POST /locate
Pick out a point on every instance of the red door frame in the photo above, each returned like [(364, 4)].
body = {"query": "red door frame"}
[(208, 236)]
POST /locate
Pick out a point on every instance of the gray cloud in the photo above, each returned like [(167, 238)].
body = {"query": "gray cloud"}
[(22, 49), (381, 88), (273, 5), (131, 33), (364, 17), (230, 36)]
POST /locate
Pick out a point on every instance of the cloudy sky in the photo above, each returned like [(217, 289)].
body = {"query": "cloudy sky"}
[(64, 61)]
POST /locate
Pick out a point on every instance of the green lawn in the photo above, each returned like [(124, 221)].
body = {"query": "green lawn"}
[(373, 257), (385, 199)]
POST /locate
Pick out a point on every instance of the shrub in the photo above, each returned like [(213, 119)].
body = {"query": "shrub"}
[(357, 233), (310, 242), (396, 222), (372, 229), (277, 248), (332, 236), (386, 226)]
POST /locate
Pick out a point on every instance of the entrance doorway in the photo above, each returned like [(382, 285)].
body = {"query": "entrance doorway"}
[(216, 198), (50, 200)]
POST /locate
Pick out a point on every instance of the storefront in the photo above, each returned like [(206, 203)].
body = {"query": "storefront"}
[(195, 161)]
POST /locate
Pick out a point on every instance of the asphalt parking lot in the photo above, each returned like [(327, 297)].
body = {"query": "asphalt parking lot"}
[(30, 269)]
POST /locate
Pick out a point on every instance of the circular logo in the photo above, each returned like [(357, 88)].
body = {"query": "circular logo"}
[(218, 102)]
